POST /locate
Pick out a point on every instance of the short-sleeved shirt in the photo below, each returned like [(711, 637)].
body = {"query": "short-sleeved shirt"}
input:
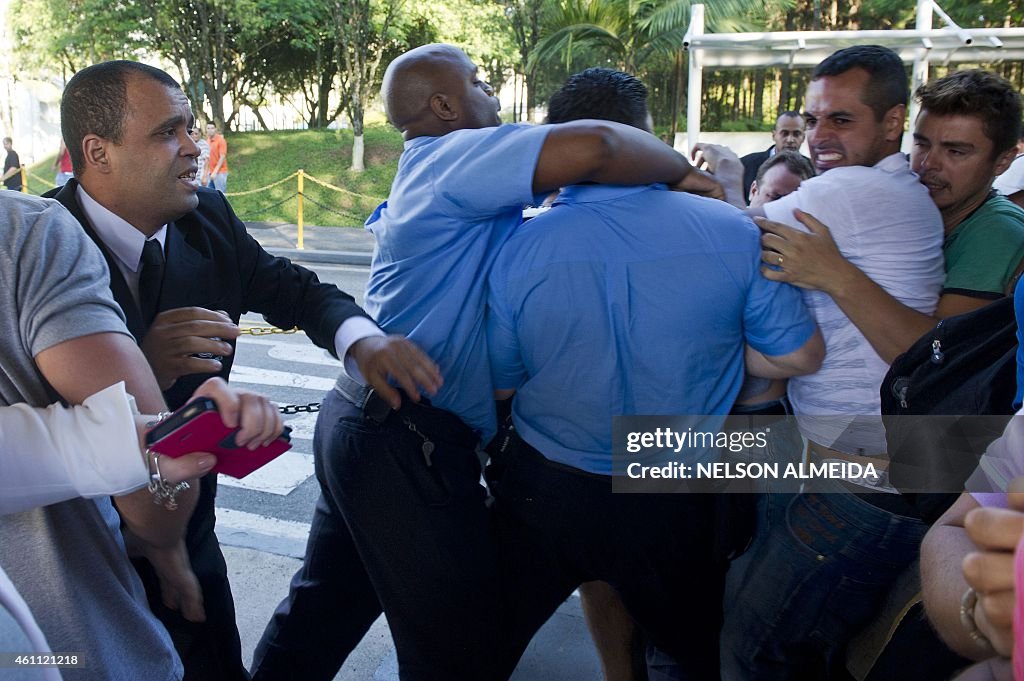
[(1002, 461), (630, 300), (454, 201), (12, 161), (983, 252), (885, 223), (68, 560), (218, 150)]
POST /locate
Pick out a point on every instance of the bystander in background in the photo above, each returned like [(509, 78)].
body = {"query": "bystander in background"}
[(62, 164), (218, 160), (12, 167)]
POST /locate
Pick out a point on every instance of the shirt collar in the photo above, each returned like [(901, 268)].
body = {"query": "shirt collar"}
[(587, 193), (119, 236), (893, 163)]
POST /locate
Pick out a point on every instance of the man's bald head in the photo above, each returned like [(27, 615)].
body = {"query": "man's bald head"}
[(433, 90)]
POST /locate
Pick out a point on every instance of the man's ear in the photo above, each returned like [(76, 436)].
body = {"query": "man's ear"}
[(442, 108), (753, 191), (894, 120), (95, 149), (1004, 160)]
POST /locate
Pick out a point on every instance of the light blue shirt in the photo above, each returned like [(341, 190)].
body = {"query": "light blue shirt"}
[(454, 202), (630, 301)]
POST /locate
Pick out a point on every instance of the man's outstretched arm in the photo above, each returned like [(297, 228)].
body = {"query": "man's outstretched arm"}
[(812, 260), (612, 153)]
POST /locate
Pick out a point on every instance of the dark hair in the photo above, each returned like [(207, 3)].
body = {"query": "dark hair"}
[(8, 139), (795, 163), (977, 93), (887, 79), (95, 102), (603, 94), (789, 114)]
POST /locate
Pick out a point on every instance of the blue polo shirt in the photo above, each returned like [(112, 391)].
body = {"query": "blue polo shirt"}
[(454, 201), (630, 300)]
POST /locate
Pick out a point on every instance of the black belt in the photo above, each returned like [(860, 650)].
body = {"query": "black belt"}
[(779, 407), (757, 416), (372, 405), (440, 424)]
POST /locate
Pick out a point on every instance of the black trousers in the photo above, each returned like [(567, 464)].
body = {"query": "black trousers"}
[(559, 526), (210, 650)]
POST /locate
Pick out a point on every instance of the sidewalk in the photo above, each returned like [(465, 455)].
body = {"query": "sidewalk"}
[(259, 579), (334, 245)]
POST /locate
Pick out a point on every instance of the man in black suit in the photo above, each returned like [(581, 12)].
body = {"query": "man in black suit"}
[(788, 135), (184, 269)]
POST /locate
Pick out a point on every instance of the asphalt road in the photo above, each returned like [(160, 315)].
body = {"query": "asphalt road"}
[(290, 370)]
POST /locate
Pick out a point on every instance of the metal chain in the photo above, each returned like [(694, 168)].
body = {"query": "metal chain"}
[(263, 210), (329, 209), (310, 408)]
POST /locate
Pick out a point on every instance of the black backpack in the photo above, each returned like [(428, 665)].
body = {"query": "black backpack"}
[(945, 400)]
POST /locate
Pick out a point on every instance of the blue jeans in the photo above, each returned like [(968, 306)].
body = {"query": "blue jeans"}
[(817, 572), (219, 182)]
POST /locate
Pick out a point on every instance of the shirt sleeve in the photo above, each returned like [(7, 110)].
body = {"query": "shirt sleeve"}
[(56, 453), (66, 295), (775, 319), (1002, 462), (479, 172), (989, 255)]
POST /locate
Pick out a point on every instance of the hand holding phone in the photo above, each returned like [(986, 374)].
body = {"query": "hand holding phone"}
[(200, 427)]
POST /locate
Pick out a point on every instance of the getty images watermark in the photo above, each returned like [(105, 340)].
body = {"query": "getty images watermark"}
[(724, 454)]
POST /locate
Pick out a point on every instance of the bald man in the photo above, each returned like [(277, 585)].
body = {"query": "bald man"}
[(402, 485)]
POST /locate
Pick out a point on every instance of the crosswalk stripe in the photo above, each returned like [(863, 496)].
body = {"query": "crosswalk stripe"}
[(287, 379), (253, 531)]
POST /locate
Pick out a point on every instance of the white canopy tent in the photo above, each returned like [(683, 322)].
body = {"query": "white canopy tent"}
[(920, 46)]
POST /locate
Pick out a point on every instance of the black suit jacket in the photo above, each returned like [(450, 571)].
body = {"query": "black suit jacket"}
[(751, 163), (212, 262)]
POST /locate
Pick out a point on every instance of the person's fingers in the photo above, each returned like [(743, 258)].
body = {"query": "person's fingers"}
[(412, 369), (776, 258), (269, 422), (812, 223), (774, 275), (998, 607), (989, 571), (1015, 494), (994, 528), (187, 365), (772, 227), (187, 467), (225, 398), (185, 314), (379, 382)]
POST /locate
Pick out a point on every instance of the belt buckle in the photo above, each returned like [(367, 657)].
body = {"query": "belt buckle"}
[(375, 407)]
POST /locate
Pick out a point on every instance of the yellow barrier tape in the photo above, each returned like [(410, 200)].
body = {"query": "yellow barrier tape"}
[(46, 182), (378, 199), (262, 189)]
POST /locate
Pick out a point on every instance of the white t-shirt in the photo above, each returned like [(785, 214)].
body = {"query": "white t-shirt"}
[(885, 223)]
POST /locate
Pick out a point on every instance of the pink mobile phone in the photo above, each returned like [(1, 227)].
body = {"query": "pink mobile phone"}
[(197, 427)]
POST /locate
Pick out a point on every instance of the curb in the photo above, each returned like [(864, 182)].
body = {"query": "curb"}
[(317, 256)]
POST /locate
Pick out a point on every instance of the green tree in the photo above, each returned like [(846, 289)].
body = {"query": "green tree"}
[(71, 34), (364, 30)]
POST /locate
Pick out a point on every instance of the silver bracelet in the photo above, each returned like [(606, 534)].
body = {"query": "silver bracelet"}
[(967, 604), (158, 419), (163, 492)]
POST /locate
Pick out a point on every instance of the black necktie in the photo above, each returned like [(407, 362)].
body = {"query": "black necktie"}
[(151, 278)]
